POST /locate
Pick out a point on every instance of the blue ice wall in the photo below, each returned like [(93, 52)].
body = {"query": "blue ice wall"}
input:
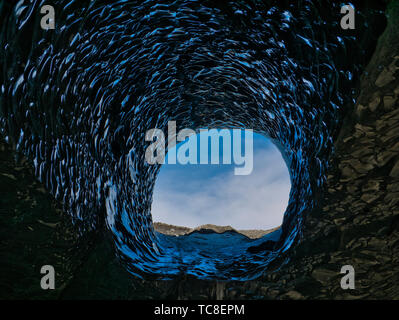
[(78, 100)]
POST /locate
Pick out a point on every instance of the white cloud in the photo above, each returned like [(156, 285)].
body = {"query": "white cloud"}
[(256, 201)]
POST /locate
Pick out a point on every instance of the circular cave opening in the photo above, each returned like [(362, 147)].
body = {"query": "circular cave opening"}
[(223, 194), (227, 247), (206, 194)]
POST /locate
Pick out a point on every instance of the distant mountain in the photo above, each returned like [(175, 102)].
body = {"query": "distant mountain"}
[(172, 230)]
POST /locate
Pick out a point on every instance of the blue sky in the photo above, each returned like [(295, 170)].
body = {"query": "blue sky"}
[(192, 195)]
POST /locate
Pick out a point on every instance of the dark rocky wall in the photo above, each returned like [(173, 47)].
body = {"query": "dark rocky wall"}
[(357, 224)]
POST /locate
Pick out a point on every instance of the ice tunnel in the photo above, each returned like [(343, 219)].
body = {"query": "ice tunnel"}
[(78, 102)]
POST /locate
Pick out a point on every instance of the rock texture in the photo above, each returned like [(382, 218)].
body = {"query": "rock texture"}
[(356, 224)]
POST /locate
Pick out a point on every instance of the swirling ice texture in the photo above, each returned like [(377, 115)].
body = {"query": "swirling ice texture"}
[(78, 100)]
